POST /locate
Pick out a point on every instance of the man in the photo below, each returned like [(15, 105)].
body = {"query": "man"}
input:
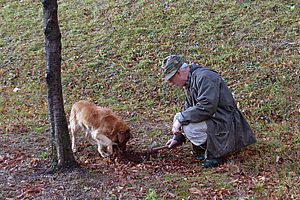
[(210, 118)]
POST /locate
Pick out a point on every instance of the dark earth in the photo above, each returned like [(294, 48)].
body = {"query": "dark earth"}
[(122, 176), (168, 174)]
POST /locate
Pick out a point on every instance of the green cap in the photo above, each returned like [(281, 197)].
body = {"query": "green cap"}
[(170, 66)]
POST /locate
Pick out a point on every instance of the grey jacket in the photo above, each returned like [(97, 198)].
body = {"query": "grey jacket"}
[(209, 99)]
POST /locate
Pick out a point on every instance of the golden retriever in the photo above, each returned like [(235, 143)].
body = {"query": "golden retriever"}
[(101, 126)]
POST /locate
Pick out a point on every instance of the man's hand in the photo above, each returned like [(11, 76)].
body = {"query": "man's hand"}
[(176, 127), (172, 143)]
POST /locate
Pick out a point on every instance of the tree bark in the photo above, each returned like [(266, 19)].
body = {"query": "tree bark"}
[(61, 144)]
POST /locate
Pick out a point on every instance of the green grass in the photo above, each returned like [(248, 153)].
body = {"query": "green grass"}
[(112, 53)]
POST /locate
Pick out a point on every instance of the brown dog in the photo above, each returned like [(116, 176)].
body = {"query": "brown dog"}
[(101, 125)]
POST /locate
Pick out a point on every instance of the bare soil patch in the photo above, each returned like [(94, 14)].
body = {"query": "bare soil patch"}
[(169, 174), (121, 176)]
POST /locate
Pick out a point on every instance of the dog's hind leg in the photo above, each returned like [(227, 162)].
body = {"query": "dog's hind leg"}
[(74, 128)]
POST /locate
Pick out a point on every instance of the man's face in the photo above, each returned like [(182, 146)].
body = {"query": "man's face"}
[(178, 79)]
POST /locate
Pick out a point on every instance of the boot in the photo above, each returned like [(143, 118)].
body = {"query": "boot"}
[(199, 152), (208, 163)]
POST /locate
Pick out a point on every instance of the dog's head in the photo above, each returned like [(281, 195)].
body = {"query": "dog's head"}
[(116, 130), (121, 135)]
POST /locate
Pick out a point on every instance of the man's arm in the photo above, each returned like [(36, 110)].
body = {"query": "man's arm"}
[(207, 97)]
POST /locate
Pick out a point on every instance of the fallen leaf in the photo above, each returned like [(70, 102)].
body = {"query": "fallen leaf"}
[(194, 191), (16, 89)]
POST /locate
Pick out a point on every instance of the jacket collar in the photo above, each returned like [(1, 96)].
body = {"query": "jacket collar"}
[(193, 67)]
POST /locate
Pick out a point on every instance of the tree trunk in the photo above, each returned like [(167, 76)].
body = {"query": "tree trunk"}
[(62, 154)]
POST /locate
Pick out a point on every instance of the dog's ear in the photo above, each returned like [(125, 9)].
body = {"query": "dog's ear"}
[(123, 137)]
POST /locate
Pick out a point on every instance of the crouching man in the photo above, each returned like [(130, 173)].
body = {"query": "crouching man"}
[(210, 118)]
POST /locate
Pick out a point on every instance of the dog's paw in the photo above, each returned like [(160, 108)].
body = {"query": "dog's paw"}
[(104, 154)]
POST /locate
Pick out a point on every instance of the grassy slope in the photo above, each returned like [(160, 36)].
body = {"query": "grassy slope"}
[(112, 53)]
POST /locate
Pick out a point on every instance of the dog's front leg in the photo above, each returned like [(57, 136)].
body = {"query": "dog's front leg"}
[(103, 143), (110, 149), (101, 150), (89, 137)]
